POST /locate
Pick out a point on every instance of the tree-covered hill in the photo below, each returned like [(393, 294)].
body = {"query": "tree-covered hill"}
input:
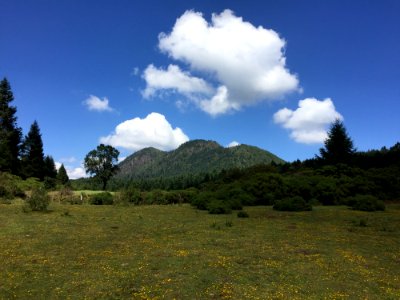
[(194, 157)]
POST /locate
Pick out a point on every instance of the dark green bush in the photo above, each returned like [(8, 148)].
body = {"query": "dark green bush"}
[(130, 195), (39, 200), (202, 199), (218, 207), (295, 203), (366, 203), (242, 214), (104, 198)]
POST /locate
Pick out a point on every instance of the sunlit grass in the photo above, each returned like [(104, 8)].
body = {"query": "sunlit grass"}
[(167, 252)]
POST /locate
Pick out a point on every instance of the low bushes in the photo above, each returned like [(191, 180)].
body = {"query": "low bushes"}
[(39, 200), (295, 203), (104, 198), (365, 203)]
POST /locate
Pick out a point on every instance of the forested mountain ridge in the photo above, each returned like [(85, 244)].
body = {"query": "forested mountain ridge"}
[(193, 157)]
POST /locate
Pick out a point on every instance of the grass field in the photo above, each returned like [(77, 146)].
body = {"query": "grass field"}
[(167, 252)]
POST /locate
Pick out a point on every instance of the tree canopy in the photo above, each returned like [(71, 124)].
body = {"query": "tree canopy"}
[(339, 147), (10, 133), (62, 175), (102, 163), (33, 164)]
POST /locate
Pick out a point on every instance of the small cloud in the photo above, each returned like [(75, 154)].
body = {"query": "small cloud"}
[(94, 103), (72, 172), (135, 71), (308, 123), (233, 144), (67, 160), (152, 131), (173, 79), (75, 173)]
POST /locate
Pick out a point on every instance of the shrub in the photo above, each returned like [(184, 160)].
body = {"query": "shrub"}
[(104, 198), (242, 214), (130, 195), (39, 200), (218, 207), (202, 199), (295, 203), (234, 204), (365, 203)]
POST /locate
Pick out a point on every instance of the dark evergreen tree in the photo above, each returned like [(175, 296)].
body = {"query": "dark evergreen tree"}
[(49, 167), (62, 175), (32, 158), (102, 162), (339, 147), (10, 133)]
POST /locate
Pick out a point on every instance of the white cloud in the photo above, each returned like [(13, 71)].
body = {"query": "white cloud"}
[(173, 78), (233, 144), (75, 173), (308, 123), (152, 131), (246, 62), (96, 104), (72, 172)]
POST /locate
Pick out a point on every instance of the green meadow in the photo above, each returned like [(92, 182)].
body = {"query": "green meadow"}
[(177, 252)]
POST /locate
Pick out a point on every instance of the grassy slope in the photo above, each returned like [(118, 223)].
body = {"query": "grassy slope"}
[(177, 252)]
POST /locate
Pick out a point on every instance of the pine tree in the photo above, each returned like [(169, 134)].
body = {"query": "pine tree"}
[(339, 147), (62, 175), (32, 154), (10, 133), (49, 167)]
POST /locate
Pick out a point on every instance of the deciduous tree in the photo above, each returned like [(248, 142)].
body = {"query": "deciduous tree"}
[(102, 163)]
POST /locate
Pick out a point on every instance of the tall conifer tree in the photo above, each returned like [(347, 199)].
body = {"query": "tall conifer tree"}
[(32, 154), (10, 133), (62, 175), (339, 147)]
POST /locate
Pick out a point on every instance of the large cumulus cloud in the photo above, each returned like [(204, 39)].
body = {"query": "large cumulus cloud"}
[(240, 64)]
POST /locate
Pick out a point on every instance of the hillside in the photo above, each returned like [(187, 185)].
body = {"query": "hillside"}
[(193, 157)]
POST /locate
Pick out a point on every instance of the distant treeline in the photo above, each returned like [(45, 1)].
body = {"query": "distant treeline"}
[(375, 172)]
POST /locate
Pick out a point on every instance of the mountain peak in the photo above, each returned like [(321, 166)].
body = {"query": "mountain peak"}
[(193, 157)]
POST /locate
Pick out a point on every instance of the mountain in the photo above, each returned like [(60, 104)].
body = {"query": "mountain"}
[(193, 157)]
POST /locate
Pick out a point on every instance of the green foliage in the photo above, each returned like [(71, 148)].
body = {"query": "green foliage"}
[(102, 162), (10, 187), (10, 133), (130, 195), (49, 167), (104, 198), (217, 207), (202, 199), (295, 203), (49, 183), (242, 214), (32, 158), (62, 175), (39, 200), (338, 146), (191, 160), (366, 203)]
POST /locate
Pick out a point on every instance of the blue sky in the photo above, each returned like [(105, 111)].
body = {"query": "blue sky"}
[(272, 74)]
